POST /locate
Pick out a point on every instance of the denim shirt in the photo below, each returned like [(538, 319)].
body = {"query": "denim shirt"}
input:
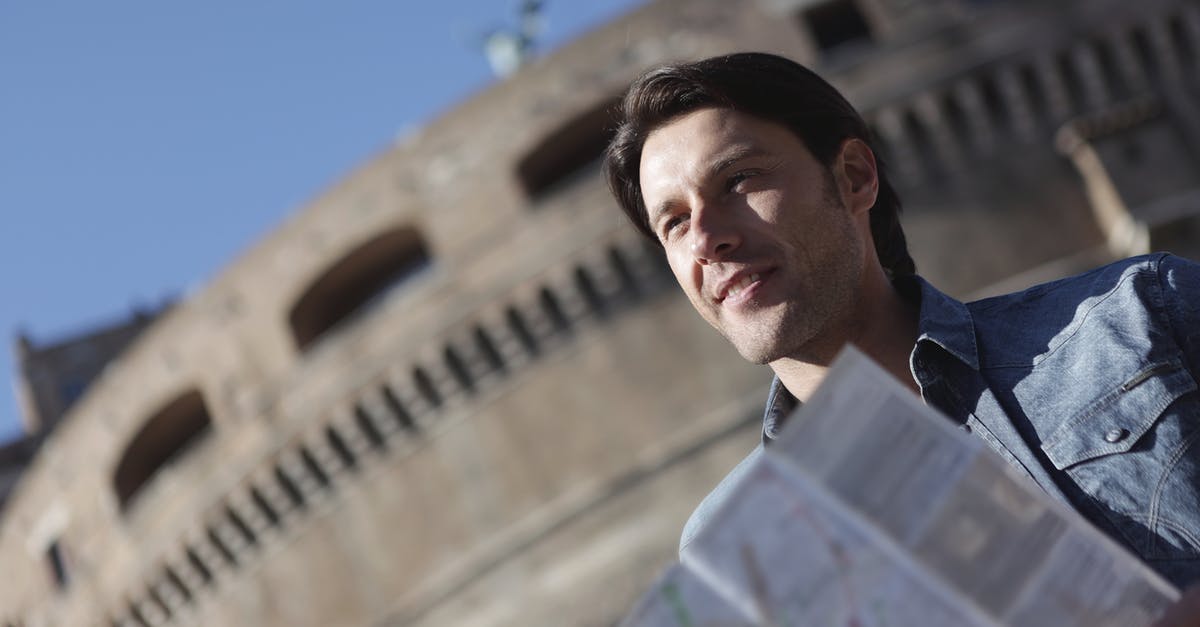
[(1084, 385)]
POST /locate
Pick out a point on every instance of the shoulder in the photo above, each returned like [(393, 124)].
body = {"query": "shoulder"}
[(1177, 273), (1126, 294), (711, 503), (1096, 282)]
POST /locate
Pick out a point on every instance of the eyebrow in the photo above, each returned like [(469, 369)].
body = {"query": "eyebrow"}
[(653, 213), (731, 156), (734, 155)]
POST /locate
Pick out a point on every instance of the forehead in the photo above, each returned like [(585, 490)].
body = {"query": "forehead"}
[(712, 130), (693, 146)]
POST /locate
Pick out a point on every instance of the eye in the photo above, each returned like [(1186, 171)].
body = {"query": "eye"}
[(671, 224), (735, 181)]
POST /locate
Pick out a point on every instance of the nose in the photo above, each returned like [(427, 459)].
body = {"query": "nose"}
[(713, 236)]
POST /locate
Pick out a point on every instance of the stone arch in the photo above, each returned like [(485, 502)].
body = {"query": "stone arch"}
[(568, 151), (355, 281), (162, 439)]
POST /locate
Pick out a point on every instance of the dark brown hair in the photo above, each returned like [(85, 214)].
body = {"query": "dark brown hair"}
[(768, 87)]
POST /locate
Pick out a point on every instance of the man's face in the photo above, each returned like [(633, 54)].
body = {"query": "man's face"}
[(756, 231)]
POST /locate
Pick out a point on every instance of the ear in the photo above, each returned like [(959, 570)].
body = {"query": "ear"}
[(856, 175)]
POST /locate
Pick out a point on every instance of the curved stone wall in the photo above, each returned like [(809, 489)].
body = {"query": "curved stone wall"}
[(457, 389)]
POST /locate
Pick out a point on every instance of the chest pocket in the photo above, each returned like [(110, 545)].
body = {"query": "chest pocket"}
[(1134, 452)]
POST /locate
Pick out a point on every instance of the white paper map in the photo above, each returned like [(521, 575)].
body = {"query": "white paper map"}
[(871, 510)]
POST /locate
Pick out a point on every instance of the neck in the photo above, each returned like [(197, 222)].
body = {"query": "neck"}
[(883, 325)]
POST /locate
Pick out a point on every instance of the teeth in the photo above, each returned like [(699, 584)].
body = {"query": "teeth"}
[(741, 285)]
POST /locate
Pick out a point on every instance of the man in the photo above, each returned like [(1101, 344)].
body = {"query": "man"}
[(775, 213)]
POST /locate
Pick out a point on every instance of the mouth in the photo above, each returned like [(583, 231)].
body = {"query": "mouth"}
[(742, 287)]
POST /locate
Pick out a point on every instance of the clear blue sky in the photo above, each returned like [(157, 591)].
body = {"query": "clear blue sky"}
[(145, 143)]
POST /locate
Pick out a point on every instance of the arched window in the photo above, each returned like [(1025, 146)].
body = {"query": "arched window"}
[(356, 281), (163, 439), (570, 151), (836, 23)]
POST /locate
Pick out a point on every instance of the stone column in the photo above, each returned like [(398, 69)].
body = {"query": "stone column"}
[(969, 95), (1190, 14), (1096, 92), (906, 159), (946, 148), (171, 596), (1128, 63), (1164, 52), (1017, 102), (1058, 102)]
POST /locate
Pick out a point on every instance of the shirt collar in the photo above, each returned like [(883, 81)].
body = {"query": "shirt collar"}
[(942, 320), (780, 405)]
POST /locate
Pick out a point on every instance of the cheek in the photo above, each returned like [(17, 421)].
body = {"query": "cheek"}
[(679, 267), (770, 205), (689, 275)]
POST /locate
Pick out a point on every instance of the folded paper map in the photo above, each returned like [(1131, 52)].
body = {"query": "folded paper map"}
[(873, 510)]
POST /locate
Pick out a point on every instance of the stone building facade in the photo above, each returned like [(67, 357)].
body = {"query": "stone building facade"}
[(55, 375), (456, 389)]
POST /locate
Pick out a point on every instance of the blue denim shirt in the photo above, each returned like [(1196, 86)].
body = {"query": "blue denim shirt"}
[(1085, 385)]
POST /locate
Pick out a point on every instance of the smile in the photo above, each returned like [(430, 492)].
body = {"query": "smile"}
[(743, 284), (741, 288)]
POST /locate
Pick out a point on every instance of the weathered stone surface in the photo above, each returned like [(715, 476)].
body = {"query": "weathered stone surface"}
[(514, 432)]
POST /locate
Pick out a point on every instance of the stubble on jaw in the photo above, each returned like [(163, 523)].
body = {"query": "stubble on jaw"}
[(819, 317)]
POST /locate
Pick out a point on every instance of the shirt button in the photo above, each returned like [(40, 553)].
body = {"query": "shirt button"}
[(1115, 435)]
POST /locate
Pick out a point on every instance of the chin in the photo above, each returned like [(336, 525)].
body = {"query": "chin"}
[(759, 342), (764, 345), (758, 353)]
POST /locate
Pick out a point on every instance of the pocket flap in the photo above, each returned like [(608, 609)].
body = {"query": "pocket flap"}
[(1121, 417)]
